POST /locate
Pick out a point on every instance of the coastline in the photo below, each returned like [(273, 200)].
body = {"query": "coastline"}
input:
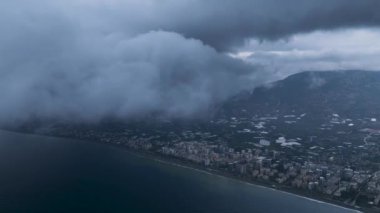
[(256, 185), (187, 165), (167, 160)]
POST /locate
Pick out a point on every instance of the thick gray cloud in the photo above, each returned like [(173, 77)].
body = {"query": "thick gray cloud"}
[(225, 24), (230, 22), (220, 24), (53, 68), (89, 59), (94, 78)]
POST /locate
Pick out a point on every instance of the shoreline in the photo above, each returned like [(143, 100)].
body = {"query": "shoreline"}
[(255, 185), (162, 160), (175, 162)]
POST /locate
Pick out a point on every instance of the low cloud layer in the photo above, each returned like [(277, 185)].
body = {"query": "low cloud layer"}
[(92, 78), (86, 60)]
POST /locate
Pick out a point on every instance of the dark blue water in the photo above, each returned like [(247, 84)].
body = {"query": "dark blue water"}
[(43, 174)]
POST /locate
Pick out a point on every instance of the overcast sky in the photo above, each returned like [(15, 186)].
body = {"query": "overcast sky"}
[(86, 60)]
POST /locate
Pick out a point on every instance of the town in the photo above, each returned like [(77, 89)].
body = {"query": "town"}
[(338, 163)]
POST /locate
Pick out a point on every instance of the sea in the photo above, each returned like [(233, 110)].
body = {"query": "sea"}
[(41, 174)]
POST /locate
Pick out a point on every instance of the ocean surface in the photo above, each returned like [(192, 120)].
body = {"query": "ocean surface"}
[(43, 174)]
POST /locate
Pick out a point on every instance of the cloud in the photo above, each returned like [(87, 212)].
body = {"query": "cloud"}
[(91, 59), (53, 69), (223, 25), (228, 24)]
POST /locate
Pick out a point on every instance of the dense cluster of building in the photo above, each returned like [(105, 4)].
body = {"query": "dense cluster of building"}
[(275, 167)]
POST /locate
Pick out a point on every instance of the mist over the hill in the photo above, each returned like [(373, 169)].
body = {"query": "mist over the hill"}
[(88, 60)]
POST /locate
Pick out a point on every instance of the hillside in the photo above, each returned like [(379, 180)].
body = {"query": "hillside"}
[(347, 93)]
